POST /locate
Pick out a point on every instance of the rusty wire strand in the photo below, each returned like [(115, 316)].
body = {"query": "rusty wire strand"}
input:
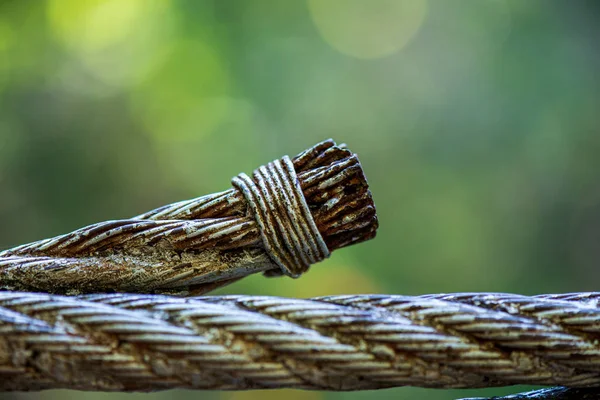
[(311, 205)]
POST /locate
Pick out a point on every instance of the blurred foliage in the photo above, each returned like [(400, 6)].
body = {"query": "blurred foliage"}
[(476, 122)]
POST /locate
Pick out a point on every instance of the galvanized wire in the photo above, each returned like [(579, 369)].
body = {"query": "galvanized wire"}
[(129, 342)]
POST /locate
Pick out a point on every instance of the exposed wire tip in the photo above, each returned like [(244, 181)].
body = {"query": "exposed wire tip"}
[(338, 195)]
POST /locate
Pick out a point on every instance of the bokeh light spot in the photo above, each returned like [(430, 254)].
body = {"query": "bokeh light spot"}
[(120, 42), (187, 96), (6, 36), (328, 279), (182, 104), (6, 41), (271, 395), (91, 25), (368, 29)]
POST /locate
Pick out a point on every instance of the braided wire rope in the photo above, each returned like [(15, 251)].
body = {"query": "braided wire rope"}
[(140, 342)]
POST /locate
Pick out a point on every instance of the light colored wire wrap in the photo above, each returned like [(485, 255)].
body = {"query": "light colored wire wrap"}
[(286, 225), (127, 342)]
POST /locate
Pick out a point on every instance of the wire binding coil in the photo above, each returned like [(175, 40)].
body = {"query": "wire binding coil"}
[(286, 225)]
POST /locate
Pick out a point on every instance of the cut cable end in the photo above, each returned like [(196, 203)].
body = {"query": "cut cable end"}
[(338, 195)]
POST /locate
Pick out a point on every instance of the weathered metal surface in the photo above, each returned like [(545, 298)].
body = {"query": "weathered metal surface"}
[(320, 201), (129, 342), (558, 393)]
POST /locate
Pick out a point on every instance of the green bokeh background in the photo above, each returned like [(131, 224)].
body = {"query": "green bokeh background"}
[(476, 122)]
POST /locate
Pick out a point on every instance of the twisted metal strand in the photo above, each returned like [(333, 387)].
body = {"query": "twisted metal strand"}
[(128, 342), (558, 393), (316, 203)]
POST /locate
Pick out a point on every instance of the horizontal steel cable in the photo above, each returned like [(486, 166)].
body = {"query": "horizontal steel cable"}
[(557, 393), (318, 202), (132, 342)]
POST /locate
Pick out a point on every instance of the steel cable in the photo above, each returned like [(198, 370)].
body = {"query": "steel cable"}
[(136, 342)]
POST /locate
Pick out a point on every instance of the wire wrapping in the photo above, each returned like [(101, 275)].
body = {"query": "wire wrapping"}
[(287, 228), (128, 342)]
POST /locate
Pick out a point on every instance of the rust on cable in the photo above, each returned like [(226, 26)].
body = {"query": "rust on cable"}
[(291, 214)]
